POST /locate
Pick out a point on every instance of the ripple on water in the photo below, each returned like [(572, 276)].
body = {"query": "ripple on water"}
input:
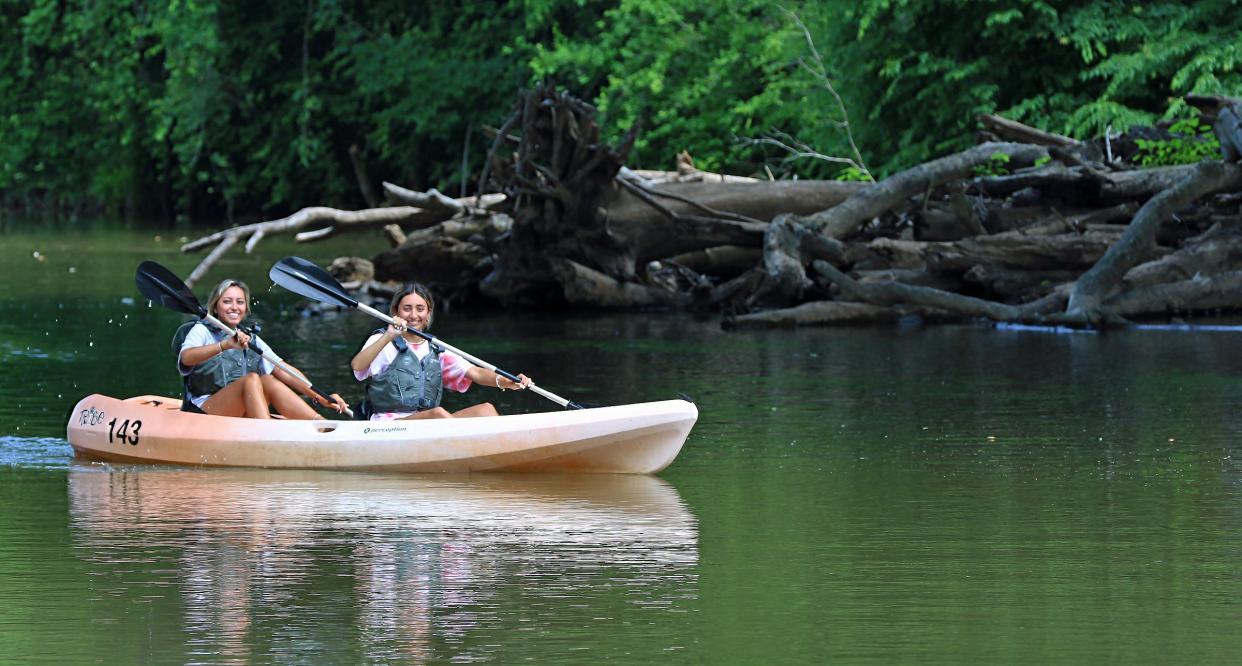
[(35, 452)]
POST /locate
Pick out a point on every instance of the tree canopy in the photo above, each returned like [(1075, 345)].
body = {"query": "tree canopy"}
[(201, 109)]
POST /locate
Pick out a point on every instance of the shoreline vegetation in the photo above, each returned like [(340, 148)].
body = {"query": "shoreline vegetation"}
[(1043, 163)]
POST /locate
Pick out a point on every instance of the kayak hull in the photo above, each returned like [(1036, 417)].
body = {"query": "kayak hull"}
[(641, 438)]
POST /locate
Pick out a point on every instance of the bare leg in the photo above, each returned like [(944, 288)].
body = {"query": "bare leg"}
[(433, 413), (481, 409), (289, 404), (243, 397)]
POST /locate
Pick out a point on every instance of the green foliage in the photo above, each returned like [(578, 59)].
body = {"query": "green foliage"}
[(692, 75), (997, 165), (921, 71), (1195, 143), (207, 109), (852, 173)]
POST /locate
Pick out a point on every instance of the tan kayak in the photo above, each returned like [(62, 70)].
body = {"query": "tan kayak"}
[(630, 439)]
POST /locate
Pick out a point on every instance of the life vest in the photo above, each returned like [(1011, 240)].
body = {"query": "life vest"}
[(218, 371), (410, 384)]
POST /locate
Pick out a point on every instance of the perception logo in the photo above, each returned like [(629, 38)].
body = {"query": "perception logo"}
[(367, 431)]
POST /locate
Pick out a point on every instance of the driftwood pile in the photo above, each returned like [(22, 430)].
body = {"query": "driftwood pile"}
[(1057, 231)]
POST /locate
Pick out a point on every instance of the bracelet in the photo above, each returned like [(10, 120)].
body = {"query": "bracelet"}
[(221, 346), (498, 383)]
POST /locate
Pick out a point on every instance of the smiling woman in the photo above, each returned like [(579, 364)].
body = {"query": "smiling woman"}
[(405, 374), (223, 374)]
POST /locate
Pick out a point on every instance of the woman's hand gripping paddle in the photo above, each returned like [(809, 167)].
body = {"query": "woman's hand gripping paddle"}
[(306, 279), (160, 285)]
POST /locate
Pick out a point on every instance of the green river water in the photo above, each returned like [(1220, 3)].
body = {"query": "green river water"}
[(952, 494)]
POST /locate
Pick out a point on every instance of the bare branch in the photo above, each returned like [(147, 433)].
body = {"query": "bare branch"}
[(821, 72)]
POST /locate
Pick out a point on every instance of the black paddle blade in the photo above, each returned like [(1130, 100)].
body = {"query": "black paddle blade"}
[(162, 286), (306, 279)]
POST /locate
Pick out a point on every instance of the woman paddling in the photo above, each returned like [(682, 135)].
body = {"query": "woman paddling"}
[(405, 376), (227, 375)]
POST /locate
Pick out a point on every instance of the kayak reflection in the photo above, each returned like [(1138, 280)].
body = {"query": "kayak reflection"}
[(413, 565)]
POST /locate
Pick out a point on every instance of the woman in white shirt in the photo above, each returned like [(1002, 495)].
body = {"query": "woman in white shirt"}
[(226, 375)]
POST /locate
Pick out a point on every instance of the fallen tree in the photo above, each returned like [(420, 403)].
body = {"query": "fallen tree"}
[(1029, 226)]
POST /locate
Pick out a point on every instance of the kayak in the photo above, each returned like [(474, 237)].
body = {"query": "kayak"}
[(641, 438)]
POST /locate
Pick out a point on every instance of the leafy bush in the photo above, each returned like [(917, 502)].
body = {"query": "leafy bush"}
[(997, 165), (1195, 143)]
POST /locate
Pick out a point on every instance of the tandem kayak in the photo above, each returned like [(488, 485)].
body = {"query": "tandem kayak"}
[(641, 438)]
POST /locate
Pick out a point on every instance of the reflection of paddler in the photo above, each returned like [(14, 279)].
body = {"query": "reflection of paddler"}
[(429, 556)]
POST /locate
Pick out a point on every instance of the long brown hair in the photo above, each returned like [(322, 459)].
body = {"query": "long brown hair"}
[(218, 292), (419, 289)]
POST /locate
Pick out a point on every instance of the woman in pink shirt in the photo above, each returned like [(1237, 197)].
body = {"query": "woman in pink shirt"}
[(405, 375)]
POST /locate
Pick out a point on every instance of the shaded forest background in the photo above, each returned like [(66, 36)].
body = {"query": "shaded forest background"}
[(217, 112)]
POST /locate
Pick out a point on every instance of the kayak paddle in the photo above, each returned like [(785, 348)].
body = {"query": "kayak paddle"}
[(306, 279), (162, 286)]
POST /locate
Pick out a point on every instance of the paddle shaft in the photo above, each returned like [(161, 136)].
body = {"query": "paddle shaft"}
[(477, 361), (211, 319)]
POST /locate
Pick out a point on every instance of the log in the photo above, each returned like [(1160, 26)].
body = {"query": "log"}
[(482, 228), (1017, 132), (816, 313), (1064, 251), (434, 200), (1225, 115), (786, 275), (396, 237), (1201, 293), (756, 200), (1017, 286), (318, 215), (656, 177), (842, 220), (352, 269), (205, 265), (453, 268), (1084, 186), (893, 293), (719, 261), (1090, 290), (917, 278), (950, 220), (1214, 251), (943, 303), (585, 286), (732, 295)]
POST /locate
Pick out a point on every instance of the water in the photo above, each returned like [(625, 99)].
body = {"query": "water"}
[(933, 495)]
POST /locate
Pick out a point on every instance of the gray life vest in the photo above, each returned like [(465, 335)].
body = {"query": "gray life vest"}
[(410, 384), (218, 371)]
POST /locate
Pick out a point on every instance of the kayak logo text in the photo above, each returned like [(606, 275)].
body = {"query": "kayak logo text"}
[(389, 429), (91, 417)]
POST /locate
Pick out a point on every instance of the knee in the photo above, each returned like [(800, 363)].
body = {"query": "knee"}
[(488, 409), (440, 413), (252, 381)]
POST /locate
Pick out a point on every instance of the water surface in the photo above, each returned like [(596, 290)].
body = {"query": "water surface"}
[(935, 495)]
